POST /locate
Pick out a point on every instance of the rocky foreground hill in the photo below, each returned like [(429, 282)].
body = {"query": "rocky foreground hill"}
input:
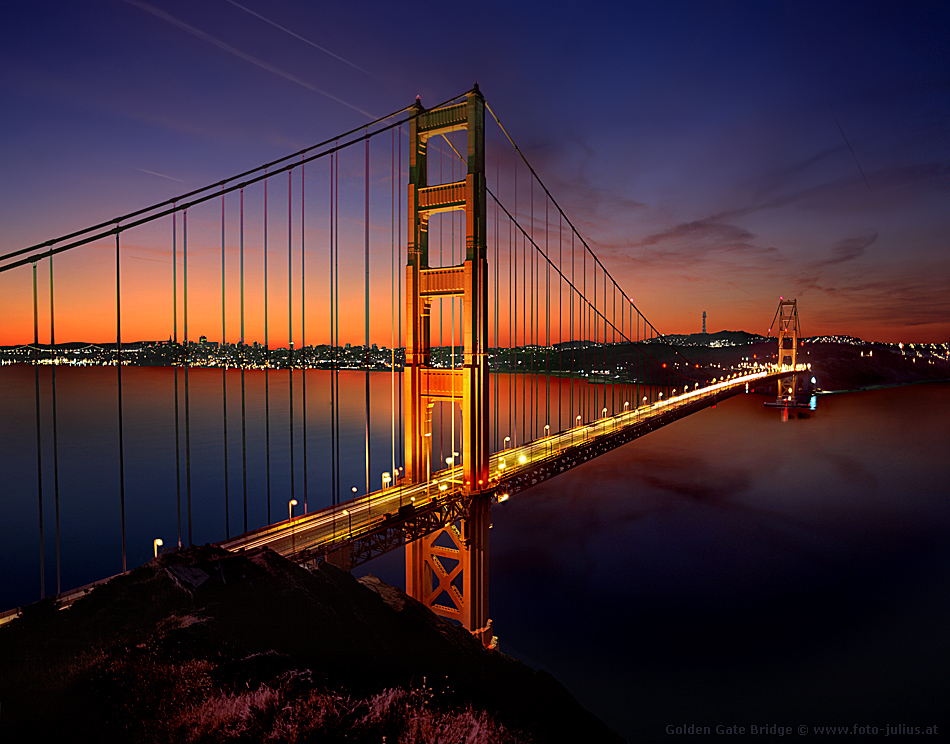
[(203, 645)]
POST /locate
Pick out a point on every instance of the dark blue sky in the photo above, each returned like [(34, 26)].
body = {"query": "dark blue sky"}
[(715, 154)]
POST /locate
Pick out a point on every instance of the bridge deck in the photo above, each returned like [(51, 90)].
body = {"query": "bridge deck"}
[(371, 524)]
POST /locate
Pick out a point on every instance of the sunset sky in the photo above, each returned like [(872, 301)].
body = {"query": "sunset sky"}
[(715, 155)]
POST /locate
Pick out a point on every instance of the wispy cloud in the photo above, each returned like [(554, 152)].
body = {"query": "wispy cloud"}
[(301, 38), (847, 249), (214, 41), (917, 299), (706, 231)]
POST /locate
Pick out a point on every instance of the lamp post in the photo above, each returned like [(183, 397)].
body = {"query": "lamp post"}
[(507, 439), (547, 433), (290, 516), (428, 460), (156, 544), (386, 480)]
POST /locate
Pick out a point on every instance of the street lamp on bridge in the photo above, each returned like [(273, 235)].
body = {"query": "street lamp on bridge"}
[(156, 544), (428, 460), (293, 537)]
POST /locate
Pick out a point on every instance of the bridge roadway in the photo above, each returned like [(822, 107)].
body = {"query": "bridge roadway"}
[(357, 530)]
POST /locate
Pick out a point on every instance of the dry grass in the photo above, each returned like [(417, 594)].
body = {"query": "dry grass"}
[(279, 713)]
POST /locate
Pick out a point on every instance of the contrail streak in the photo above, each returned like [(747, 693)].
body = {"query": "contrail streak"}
[(160, 175), (243, 55), (298, 36), (845, 138)]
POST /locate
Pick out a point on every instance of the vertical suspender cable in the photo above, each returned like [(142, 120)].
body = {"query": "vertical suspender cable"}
[(290, 323), (177, 360), (512, 328), (514, 319), (224, 386), (243, 367), (332, 314), (399, 283), (392, 296), (366, 300), (497, 308), (524, 339), (570, 296), (441, 326), (452, 331), (184, 249), (52, 345), (604, 295), (39, 437), (560, 323), (266, 360), (583, 305), (336, 318), (547, 325), (531, 297), (118, 370), (623, 383), (303, 320)]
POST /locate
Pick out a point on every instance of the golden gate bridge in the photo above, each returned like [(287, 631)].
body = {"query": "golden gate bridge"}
[(510, 343)]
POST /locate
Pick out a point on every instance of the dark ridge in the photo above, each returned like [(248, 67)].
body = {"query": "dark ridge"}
[(206, 645)]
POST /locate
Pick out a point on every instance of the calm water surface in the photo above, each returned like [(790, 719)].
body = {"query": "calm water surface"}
[(735, 568), (730, 568)]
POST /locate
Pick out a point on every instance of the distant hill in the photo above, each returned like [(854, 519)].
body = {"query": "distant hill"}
[(720, 338)]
